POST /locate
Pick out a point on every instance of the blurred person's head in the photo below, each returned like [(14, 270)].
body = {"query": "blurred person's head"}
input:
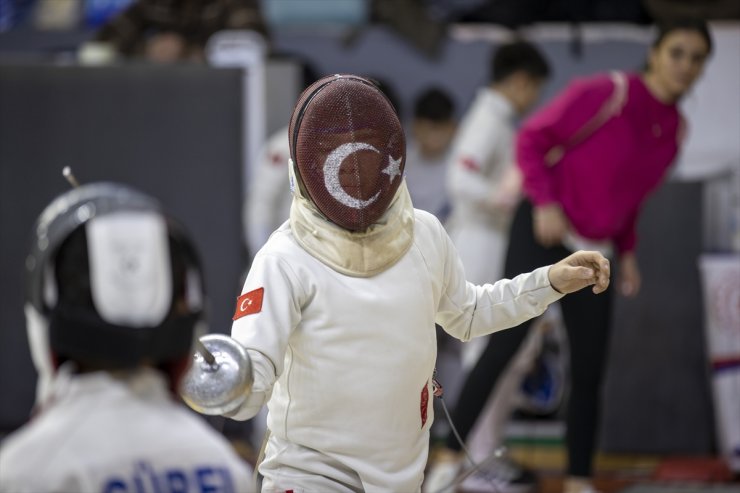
[(677, 57), (518, 71), (434, 122), (112, 284)]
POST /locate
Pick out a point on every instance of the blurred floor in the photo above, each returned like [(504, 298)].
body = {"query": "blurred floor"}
[(539, 446)]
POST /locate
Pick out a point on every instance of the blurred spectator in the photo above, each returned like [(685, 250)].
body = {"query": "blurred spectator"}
[(432, 130), (165, 31), (268, 200)]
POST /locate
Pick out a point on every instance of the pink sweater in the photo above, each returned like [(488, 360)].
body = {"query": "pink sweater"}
[(601, 181)]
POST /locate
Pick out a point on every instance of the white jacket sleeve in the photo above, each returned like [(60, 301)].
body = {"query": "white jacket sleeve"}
[(484, 141), (263, 373), (265, 331), (466, 310), (466, 180)]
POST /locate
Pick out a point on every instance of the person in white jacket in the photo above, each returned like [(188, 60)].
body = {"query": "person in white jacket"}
[(114, 301), (482, 178), (268, 201), (338, 310)]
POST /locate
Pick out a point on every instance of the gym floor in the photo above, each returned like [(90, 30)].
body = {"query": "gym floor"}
[(630, 473), (539, 447)]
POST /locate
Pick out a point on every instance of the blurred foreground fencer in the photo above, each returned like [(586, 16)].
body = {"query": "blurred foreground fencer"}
[(338, 310), (114, 303)]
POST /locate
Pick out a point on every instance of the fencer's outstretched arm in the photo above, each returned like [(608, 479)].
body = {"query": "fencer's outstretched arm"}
[(466, 310)]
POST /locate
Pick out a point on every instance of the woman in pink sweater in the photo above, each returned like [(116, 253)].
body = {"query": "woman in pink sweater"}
[(589, 160)]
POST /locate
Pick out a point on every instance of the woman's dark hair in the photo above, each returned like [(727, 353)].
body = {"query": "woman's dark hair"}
[(699, 26)]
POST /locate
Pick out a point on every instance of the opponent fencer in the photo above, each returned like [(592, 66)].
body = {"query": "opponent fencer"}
[(114, 302), (339, 308)]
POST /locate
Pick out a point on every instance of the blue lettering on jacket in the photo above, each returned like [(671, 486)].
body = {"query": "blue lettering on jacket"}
[(145, 479)]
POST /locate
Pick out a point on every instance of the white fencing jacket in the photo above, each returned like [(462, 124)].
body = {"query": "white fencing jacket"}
[(268, 201), (481, 157), (108, 435), (348, 360), (481, 169)]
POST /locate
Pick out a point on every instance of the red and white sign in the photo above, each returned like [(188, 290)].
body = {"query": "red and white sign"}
[(721, 286)]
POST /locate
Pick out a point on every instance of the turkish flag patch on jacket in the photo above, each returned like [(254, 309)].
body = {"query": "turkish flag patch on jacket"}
[(249, 303)]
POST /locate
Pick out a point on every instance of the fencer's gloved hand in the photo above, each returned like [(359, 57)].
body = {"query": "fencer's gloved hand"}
[(581, 269), (264, 377)]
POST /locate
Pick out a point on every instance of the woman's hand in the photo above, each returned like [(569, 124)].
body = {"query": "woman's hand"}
[(629, 278), (550, 224)]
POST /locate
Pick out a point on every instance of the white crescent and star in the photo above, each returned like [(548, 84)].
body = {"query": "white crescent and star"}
[(331, 173)]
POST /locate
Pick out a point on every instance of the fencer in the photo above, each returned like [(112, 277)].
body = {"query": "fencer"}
[(114, 303), (338, 310)]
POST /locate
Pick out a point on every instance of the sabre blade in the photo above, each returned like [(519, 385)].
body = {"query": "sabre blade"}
[(203, 350)]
